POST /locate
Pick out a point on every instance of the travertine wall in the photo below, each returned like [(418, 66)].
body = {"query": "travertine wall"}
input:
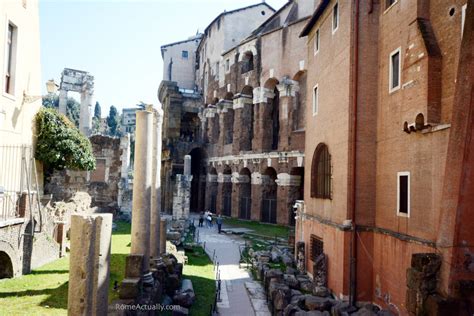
[(102, 184)]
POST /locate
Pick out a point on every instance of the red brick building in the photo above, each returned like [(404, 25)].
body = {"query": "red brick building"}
[(388, 168)]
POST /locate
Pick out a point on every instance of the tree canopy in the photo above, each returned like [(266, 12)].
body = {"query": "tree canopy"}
[(60, 144)]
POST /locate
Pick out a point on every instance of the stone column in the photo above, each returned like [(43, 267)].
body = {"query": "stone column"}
[(263, 132), (85, 117), (162, 235), (287, 89), (242, 123), (156, 187), (287, 191), (142, 187), (235, 194), (187, 165), (257, 187), (89, 264), (63, 101)]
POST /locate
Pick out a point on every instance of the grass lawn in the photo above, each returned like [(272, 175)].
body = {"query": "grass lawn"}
[(268, 230), (44, 291), (201, 272)]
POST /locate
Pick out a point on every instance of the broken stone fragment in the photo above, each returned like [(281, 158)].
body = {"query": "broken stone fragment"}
[(317, 303)]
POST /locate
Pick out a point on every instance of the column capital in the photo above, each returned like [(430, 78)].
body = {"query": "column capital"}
[(256, 178), (287, 180), (262, 95), (288, 87), (224, 178), (241, 100)]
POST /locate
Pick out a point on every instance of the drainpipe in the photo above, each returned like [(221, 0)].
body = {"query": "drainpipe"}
[(353, 246)]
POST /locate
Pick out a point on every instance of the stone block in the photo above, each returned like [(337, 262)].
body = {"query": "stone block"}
[(129, 288), (134, 266), (317, 303)]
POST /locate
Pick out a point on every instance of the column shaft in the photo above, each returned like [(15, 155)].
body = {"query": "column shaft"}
[(142, 187)]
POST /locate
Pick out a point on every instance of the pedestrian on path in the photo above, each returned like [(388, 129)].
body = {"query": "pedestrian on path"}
[(201, 219), (219, 223)]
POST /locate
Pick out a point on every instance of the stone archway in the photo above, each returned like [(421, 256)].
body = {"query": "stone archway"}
[(6, 266), (198, 183)]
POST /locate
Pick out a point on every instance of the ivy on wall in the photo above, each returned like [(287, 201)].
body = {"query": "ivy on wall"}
[(60, 144)]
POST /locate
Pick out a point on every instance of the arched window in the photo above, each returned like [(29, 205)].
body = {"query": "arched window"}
[(321, 173), (247, 62)]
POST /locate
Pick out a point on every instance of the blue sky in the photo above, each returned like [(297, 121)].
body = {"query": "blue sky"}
[(118, 42)]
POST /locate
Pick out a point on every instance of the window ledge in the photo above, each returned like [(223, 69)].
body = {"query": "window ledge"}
[(9, 96), (11, 222)]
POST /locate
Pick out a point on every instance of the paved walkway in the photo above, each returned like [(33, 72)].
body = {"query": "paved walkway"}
[(234, 296)]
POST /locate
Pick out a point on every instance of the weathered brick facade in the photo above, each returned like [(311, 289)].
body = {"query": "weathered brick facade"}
[(248, 159), (379, 135)]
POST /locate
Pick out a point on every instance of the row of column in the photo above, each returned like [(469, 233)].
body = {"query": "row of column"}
[(251, 125), (254, 189), (146, 222)]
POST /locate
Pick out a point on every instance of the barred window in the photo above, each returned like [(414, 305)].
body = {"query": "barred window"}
[(317, 247), (321, 173)]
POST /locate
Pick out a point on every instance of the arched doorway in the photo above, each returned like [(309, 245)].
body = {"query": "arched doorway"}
[(6, 266), (227, 192), (245, 194), (269, 196), (198, 184)]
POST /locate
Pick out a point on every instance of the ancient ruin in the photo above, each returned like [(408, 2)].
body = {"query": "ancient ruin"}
[(83, 83)]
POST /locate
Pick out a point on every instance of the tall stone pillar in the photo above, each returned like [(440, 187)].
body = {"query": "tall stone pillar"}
[(89, 264), (235, 195), (257, 187), (243, 122), (142, 187), (287, 90), (162, 235), (156, 187), (263, 132), (85, 116), (187, 165), (63, 101)]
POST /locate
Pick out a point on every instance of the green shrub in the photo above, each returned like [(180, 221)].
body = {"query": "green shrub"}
[(60, 144)]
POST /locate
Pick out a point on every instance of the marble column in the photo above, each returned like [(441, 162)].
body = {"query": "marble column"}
[(156, 187), (142, 187), (85, 116), (63, 101)]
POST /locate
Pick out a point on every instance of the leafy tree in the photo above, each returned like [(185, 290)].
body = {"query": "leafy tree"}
[(60, 144), (73, 108), (113, 121), (97, 110)]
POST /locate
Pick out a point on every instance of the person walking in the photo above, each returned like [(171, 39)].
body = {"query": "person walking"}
[(201, 219), (219, 223), (209, 218)]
